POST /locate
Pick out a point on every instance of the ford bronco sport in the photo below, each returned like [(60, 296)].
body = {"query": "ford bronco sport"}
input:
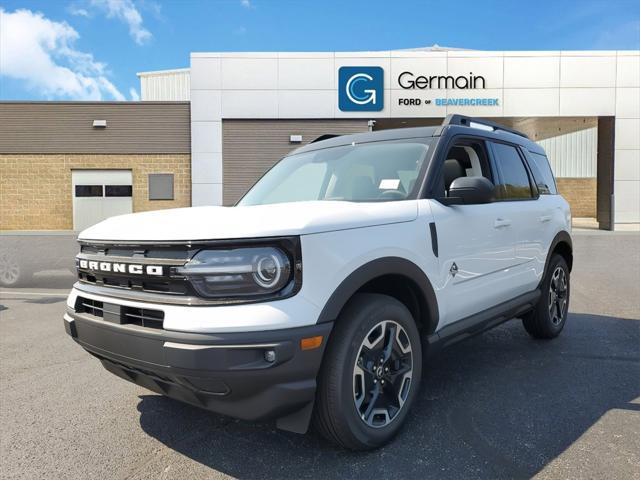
[(318, 296)]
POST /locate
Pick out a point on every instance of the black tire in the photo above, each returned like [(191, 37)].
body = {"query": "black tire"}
[(548, 317), (13, 272), (337, 416)]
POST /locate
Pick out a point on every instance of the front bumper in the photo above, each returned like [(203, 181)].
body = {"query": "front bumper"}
[(225, 373)]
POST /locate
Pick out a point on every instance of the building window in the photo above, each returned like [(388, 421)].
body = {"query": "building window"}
[(161, 186), (117, 190), (88, 190)]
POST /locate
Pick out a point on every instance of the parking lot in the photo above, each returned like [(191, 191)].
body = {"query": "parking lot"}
[(500, 405)]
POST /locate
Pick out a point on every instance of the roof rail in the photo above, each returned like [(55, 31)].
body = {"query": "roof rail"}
[(326, 136), (456, 119)]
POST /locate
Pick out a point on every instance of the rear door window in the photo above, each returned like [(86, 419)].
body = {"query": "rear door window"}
[(513, 182)]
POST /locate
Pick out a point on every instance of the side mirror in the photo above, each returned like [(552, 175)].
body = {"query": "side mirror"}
[(471, 190)]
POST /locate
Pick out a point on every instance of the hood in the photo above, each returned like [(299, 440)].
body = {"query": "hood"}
[(219, 223)]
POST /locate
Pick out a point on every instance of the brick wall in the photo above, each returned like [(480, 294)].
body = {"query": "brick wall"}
[(581, 195), (35, 190)]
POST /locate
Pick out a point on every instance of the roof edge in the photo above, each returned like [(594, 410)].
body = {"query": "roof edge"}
[(94, 102), (152, 73)]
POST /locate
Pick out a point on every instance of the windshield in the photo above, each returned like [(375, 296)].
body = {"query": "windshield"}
[(369, 172)]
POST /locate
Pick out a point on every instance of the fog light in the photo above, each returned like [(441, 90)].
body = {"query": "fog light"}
[(270, 356)]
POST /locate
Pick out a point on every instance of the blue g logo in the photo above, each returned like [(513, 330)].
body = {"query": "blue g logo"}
[(360, 89)]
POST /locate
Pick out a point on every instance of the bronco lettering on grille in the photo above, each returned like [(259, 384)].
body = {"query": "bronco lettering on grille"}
[(132, 268)]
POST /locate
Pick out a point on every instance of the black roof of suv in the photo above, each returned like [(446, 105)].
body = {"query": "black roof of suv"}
[(452, 123)]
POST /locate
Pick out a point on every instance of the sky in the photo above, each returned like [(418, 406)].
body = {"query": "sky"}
[(92, 49)]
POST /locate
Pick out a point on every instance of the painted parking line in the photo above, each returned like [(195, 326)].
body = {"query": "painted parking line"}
[(35, 294)]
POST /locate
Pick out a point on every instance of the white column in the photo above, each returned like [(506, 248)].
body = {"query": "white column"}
[(206, 130), (627, 141)]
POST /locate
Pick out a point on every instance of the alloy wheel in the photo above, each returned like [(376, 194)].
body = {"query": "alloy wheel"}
[(382, 374), (558, 296)]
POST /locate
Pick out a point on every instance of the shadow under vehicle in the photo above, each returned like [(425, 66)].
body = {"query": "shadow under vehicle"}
[(501, 404)]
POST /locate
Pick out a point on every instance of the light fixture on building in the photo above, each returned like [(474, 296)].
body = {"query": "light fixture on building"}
[(295, 138), (99, 124)]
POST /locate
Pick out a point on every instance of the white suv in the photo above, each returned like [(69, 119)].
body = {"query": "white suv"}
[(320, 294)]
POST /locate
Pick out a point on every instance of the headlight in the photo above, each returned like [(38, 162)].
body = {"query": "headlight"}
[(238, 272)]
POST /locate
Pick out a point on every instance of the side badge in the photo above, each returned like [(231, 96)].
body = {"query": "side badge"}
[(454, 269)]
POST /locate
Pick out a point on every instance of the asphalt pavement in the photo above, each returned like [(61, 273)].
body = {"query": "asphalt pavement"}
[(500, 405)]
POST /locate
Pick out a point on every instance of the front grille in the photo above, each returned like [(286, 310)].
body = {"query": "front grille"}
[(161, 257), (149, 273), (176, 286), (121, 314), (169, 252)]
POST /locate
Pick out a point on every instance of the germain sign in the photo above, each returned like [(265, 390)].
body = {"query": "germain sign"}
[(361, 89), (407, 80)]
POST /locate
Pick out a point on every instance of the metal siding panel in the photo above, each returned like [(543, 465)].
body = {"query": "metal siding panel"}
[(66, 127), (167, 86), (573, 155), (251, 147)]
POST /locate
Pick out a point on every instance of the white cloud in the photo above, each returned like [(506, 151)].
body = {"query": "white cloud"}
[(125, 11), (246, 3), (133, 93), (78, 12), (41, 53), (151, 6)]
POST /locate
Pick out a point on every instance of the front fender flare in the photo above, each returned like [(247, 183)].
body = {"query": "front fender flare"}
[(377, 268)]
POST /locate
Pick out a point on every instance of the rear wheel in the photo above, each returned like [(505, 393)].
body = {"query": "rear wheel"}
[(370, 375), (547, 319)]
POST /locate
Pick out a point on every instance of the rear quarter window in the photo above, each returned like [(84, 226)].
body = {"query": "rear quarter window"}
[(542, 173)]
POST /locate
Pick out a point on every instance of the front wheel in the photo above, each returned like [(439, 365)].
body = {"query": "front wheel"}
[(370, 375), (548, 317)]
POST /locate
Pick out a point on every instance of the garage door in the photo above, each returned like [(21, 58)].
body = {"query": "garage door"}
[(100, 194)]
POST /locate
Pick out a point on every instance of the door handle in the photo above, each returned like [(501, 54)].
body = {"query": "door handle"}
[(545, 218), (501, 222)]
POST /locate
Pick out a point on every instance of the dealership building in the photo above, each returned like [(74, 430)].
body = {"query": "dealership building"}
[(202, 135)]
